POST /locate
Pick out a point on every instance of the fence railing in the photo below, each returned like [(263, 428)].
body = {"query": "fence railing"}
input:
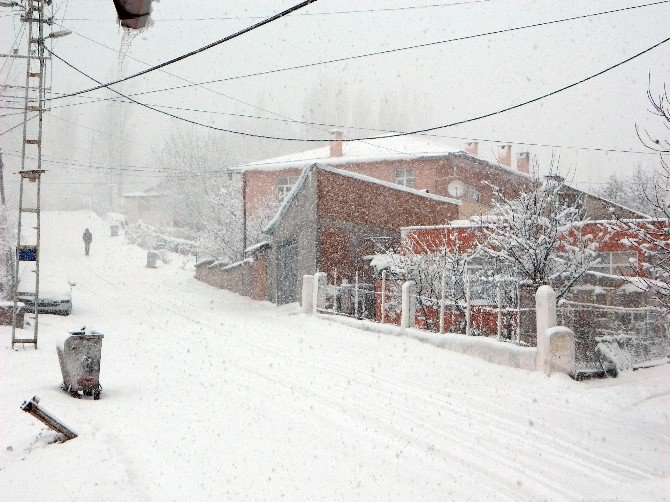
[(492, 308), (642, 330), (510, 317)]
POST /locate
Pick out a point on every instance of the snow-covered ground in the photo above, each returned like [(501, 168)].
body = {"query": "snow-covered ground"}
[(207, 394)]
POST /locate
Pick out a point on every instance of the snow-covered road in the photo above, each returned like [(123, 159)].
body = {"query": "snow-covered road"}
[(207, 394)]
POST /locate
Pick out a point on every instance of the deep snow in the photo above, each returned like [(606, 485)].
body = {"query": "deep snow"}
[(207, 394)]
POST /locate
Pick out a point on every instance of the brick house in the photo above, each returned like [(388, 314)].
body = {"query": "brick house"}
[(413, 162), (329, 222), (332, 219)]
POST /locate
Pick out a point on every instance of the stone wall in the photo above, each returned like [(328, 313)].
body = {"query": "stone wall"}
[(246, 277)]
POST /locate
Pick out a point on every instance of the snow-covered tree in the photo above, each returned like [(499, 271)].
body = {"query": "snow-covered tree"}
[(208, 196), (538, 238), (438, 267)]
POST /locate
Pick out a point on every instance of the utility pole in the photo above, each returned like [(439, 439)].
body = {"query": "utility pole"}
[(28, 246), (2, 181)]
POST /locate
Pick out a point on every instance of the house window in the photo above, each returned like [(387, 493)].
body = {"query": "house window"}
[(473, 193), (284, 186), (406, 177), (616, 263)]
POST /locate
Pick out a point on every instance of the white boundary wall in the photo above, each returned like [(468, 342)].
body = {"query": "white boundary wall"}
[(555, 351)]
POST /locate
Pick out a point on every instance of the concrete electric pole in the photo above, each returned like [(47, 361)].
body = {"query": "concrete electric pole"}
[(34, 94)]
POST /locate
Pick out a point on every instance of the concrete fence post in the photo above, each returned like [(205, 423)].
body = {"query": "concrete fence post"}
[(308, 294), (561, 351), (408, 317), (468, 307), (545, 317), (319, 291)]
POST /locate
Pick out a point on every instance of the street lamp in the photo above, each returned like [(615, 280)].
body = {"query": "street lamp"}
[(58, 34)]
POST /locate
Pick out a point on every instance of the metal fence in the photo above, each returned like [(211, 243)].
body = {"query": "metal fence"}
[(493, 307), (504, 308), (357, 299), (642, 330)]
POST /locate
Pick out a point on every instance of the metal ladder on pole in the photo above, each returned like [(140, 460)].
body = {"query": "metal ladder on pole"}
[(28, 245)]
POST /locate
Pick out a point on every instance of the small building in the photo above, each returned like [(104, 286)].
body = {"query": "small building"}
[(152, 206)]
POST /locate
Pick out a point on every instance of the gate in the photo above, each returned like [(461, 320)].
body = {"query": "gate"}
[(287, 272)]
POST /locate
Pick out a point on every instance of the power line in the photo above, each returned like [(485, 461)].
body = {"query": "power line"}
[(370, 129), (358, 11), (239, 33), (17, 125), (182, 79), (72, 164), (375, 53), (407, 133)]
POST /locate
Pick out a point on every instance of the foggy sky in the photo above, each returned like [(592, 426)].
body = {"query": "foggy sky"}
[(432, 86)]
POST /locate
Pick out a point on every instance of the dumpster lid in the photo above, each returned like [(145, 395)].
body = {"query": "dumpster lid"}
[(84, 331)]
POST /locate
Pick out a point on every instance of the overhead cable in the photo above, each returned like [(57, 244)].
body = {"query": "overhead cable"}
[(406, 133), (253, 27), (367, 54)]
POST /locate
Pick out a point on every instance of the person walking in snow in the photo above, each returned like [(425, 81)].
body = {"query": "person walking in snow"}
[(88, 238)]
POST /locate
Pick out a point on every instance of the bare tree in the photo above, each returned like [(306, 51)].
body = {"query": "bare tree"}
[(653, 237), (630, 191)]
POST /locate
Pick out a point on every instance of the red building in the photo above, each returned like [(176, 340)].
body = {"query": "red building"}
[(330, 221), (412, 162), (609, 281)]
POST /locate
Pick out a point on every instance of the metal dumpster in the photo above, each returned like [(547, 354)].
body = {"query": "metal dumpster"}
[(79, 357)]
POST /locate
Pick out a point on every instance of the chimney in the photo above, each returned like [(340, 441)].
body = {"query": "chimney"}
[(505, 155), (336, 143), (472, 147), (523, 162)]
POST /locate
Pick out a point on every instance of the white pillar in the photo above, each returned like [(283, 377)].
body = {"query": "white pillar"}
[(319, 293), (468, 307), (408, 305), (499, 294), (561, 353), (308, 294), (545, 317), (383, 313)]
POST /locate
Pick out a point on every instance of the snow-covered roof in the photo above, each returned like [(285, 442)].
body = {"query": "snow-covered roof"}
[(375, 150), (155, 190), (257, 247), (452, 225), (611, 205), (270, 227), (139, 195)]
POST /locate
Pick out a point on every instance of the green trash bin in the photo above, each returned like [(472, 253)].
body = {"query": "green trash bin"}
[(152, 258)]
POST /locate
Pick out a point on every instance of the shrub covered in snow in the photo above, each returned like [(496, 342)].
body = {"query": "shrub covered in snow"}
[(438, 270), (151, 238)]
